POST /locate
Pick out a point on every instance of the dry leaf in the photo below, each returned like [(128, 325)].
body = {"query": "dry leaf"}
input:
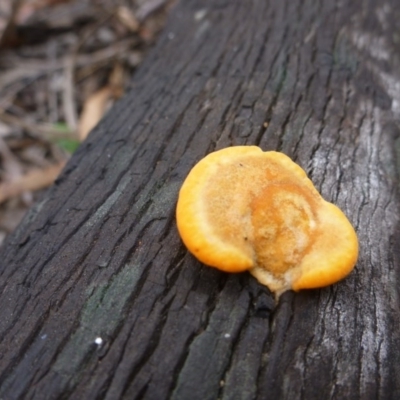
[(93, 110), (126, 16), (96, 105), (116, 81), (33, 180)]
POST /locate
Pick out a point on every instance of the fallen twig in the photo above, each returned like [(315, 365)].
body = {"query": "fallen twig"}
[(36, 68), (43, 131)]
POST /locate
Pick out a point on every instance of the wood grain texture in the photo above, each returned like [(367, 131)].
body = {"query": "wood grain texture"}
[(100, 257)]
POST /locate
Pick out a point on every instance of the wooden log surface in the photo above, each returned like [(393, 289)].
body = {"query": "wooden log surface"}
[(99, 299)]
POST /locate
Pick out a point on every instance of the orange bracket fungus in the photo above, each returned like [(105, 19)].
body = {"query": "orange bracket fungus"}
[(244, 209)]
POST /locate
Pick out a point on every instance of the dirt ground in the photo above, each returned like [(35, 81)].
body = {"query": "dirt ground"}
[(62, 65)]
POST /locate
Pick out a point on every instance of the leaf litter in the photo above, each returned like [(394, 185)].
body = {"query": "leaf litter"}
[(62, 65)]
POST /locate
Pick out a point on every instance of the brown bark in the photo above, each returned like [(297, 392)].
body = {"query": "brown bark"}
[(100, 257)]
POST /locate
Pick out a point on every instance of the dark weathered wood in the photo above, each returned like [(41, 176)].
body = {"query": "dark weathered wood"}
[(100, 257)]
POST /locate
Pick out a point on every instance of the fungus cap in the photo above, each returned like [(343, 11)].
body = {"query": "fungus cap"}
[(244, 209)]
